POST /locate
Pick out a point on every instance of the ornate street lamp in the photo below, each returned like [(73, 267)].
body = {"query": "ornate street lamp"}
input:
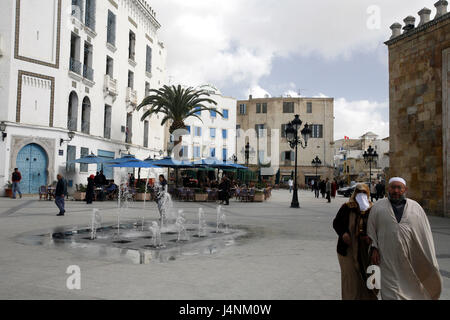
[(316, 163), (294, 141), (71, 135), (2, 130), (370, 155), (247, 153)]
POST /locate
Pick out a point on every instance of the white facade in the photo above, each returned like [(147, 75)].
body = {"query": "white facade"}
[(217, 133), (55, 78)]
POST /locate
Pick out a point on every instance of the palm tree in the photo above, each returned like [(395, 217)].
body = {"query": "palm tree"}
[(177, 104)]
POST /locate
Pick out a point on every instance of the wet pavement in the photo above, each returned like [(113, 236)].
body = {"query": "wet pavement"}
[(282, 253)]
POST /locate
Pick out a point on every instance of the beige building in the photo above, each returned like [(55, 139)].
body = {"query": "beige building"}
[(349, 161), (419, 94), (262, 122)]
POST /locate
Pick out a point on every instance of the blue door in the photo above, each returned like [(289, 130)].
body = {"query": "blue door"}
[(32, 164)]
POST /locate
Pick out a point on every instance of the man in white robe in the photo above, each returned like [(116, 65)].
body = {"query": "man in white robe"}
[(403, 247)]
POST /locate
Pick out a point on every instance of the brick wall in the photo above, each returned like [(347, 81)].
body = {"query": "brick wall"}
[(416, 114)]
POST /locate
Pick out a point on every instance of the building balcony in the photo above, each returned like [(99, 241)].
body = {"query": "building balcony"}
[(88, 73), (131, 96), (110, 85), (75, 66)]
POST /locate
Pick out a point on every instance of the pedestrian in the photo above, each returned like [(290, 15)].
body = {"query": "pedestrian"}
[(16, 177), (224, 191), (90, 189), (97, 182), (291, 185), (373, 191), (323, 188), (380, 190), (60, 193), (312, 185), (316, 189), (102, 179), (328, 189), (333, 188), (403, 247), (131, 181), (353, 245)]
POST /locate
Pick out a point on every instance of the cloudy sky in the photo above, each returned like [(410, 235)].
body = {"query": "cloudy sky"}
[(279, 47)]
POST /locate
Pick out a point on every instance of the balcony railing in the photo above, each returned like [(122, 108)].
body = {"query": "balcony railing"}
[(131, 96), (110, 85), (75, 66), (88, 73)]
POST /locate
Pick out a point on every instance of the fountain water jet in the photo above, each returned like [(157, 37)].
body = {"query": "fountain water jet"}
[(201, 223), (96, 222)]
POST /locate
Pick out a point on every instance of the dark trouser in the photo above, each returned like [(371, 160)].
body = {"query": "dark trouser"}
[(59, 200), (16, 188), (373, 195), (316, 193), (329, 196), (224, 196)]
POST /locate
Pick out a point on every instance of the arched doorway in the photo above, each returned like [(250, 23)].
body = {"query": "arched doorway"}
[(32, 163)]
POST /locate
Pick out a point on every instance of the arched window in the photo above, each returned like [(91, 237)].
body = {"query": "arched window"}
[(72, 113), (86, 115)]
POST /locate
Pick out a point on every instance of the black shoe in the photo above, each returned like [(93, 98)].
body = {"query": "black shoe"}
[(60, 214)]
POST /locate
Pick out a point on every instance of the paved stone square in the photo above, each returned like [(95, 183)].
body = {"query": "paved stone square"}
[(289, 254)]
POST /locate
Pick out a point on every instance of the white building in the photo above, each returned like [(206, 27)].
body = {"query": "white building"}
[(214, 136), (80, 66)]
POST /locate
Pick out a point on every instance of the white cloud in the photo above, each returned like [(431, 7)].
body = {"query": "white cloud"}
[(258, 92), (235, 41), (354, 118)]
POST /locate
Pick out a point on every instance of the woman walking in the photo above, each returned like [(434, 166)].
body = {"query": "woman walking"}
[(90, 189), (353, 245)]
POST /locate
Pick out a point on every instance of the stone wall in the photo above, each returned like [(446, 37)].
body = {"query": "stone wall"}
[(416, 113)]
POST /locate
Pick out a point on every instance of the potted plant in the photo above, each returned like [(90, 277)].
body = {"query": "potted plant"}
[(201, 195), (8, 189), (80, 194), (140, 193), (259, 196)]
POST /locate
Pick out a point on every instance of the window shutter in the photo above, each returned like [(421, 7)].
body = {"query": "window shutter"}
[(292, 156), (149, 60), (283, 156)]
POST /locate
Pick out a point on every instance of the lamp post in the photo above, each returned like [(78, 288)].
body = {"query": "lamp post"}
[(294, 141), (71, 135), (247, 153), (2, 130), (316, 163), (370, 155)]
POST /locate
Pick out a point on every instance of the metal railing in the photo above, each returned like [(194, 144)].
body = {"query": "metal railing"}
[(75, 66), (88, 73)]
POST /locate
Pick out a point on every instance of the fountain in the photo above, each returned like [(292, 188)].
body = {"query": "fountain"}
[(156, 235), (180, 226), (201, 223), (221, 220), (96, 222)]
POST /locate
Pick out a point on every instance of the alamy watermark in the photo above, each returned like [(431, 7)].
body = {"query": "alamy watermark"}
[(73, 282)]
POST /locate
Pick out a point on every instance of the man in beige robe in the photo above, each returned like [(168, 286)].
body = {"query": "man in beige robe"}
[(403, 247)]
